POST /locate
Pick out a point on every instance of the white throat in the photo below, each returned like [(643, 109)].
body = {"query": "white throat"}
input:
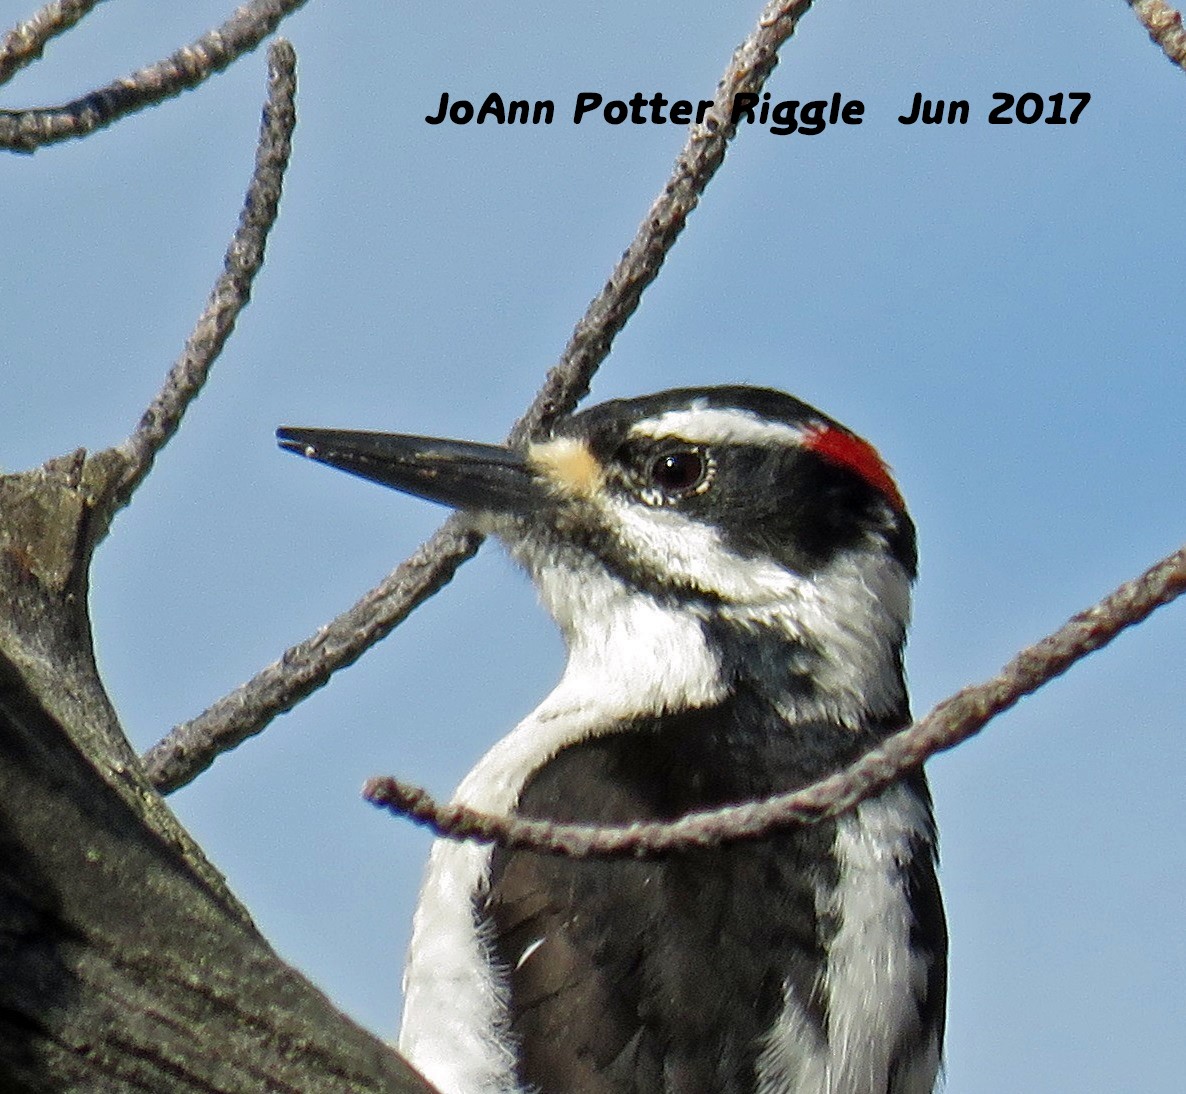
[(631, 653)]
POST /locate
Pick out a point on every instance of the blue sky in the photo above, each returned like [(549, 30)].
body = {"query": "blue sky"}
[(997, 307)]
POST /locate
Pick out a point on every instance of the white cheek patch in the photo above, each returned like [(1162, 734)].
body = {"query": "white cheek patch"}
[(852, 613), (689, 551)]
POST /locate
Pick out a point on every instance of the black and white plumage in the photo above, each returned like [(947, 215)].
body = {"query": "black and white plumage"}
[(731, 571)]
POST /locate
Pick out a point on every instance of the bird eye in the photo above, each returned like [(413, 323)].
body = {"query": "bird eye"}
[(680, 472)]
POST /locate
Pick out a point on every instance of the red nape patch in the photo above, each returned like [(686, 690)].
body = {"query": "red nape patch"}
[(857, 455)]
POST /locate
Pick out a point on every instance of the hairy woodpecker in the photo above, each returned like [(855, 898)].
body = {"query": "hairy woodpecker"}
[(731, 571)]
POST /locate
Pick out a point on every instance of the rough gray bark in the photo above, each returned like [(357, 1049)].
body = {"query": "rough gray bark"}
[(125, 962)]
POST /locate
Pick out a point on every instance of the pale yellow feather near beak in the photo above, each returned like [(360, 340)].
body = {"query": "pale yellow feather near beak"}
[(569, 465)]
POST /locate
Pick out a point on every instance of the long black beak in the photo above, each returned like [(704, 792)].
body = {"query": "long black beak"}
[(456, 473)]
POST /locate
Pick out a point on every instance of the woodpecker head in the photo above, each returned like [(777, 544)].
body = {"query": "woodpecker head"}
[(778, 532)]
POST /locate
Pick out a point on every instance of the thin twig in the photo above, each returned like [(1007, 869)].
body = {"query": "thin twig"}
[(190, 748), (232, 290), (28, 130), (1164, 25), (952, 721), (25, 42), (749, 68)]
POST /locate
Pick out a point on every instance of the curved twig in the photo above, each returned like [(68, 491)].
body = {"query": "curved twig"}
[(589, 344), (28, 130), (1164, 25), (26, 41), (232, 290), (191, 747), (952, 721)]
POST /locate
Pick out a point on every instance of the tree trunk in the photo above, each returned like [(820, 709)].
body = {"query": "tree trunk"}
[(125, 962)]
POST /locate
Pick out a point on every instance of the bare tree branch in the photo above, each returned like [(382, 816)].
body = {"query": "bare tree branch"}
[(1164, 25), (25, 42), (232, 290), (191, 747), (952, 721), (28, 130), (749, 68), (92, 487)]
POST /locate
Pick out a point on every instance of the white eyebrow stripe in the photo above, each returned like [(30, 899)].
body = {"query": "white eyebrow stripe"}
[(720, 425)]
